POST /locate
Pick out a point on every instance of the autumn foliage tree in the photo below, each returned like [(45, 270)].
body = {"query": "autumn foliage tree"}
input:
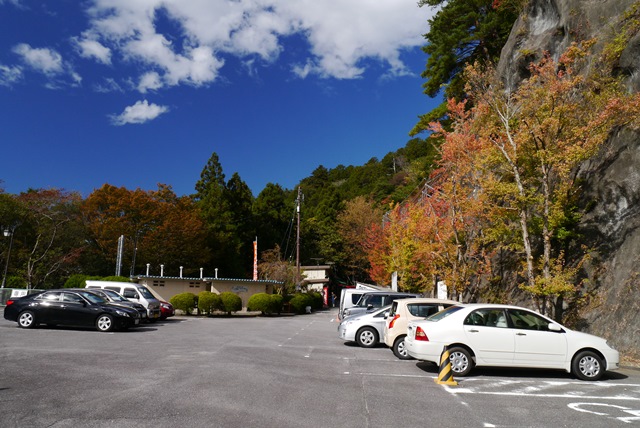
[(50, 238), (531, 139), (165, 229)]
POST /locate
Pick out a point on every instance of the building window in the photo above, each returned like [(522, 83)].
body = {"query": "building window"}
[(157, 283)]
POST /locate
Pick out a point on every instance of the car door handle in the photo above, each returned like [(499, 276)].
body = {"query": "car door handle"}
[(473, 330), (521, 334)]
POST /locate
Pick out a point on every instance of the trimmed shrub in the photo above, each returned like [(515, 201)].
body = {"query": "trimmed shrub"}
[(300, 301), (259, 302), (230, 302), (115, 278), (265, 303), (318, 300), (208, 302), (184, 302), (276, 302)]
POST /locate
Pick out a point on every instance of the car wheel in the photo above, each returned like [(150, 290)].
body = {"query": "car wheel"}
[(399, 350), (27, 319), (587, 365), (367, 337), (105, 323), (461, 361)]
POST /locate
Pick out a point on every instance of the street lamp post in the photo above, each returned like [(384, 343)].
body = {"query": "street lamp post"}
[(8, 231)]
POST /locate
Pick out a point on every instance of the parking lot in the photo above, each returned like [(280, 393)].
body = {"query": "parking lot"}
[(275, 372)]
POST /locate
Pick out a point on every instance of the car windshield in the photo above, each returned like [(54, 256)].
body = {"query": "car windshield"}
[(115, 296), (93, 298), (145, 292), (374, 300), (444, 313)]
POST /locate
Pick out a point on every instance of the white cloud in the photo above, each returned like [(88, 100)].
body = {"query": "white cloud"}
[(50, 63), (9, 75), (108, 85), (140, 112), (44, 60), (93, 49), (341, 34), (149, 82)]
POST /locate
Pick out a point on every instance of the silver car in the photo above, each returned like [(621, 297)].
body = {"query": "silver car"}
[(365, 329)]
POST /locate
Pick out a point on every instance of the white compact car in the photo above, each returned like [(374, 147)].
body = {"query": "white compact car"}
[(405, 310), (507, 336), (365, 329)]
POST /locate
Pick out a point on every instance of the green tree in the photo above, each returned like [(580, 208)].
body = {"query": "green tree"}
[(462, 32), (226, 210), (272, 211)]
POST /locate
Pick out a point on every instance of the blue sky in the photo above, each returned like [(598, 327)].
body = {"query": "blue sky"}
[(139, 92)]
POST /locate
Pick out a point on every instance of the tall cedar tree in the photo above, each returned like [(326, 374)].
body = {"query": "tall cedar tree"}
[(226, 210), (462, 32)]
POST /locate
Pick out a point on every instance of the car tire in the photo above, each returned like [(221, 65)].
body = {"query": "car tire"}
[(105, 323), (27, 319), (399, 349), (461, 361), (587, 365), (367, 337)]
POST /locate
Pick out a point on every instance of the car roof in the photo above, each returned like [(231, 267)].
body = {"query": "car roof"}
[(402, 293), (428, 300)]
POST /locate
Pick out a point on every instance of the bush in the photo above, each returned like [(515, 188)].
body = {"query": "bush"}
[(78, 281), (230, 302), (115, 278), (276, 302), (265, 303), (300, 301), (184, 301), (318, 300), (259, 302), (208, 302)]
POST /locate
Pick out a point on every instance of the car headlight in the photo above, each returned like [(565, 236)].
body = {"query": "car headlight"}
[(122, 313)]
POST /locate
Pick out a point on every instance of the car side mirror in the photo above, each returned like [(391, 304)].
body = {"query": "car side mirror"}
[(554, 327), (369, 307)]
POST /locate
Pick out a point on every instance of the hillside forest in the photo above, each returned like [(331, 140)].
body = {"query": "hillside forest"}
[(484, 195)]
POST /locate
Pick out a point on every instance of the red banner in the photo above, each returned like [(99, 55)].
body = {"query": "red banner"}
[(255, 260)]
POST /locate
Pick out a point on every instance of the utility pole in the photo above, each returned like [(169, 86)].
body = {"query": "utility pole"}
[(298, 203)]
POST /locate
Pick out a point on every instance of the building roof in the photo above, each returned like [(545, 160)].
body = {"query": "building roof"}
[(209, 279)]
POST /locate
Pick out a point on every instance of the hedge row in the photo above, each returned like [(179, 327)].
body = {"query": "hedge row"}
[(207, 302)]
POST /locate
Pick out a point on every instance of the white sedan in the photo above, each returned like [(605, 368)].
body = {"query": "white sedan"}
[(507, 336), (364, 329)]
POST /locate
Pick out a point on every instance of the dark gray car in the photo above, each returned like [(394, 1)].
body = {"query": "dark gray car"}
[(376, 299)]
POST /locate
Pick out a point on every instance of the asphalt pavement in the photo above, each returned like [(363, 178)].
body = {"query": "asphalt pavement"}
[(289, 371)]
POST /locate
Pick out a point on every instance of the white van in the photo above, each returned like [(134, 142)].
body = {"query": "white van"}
[(133, 292), (350, 296)]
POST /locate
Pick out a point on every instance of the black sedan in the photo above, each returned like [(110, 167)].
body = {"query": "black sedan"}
[(117, 299), (72, 308)]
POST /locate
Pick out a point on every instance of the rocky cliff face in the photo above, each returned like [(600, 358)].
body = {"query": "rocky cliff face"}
[(611, 180)]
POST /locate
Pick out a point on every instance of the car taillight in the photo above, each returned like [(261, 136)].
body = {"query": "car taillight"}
[(421, 335), (10, 302), (393, 320)]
